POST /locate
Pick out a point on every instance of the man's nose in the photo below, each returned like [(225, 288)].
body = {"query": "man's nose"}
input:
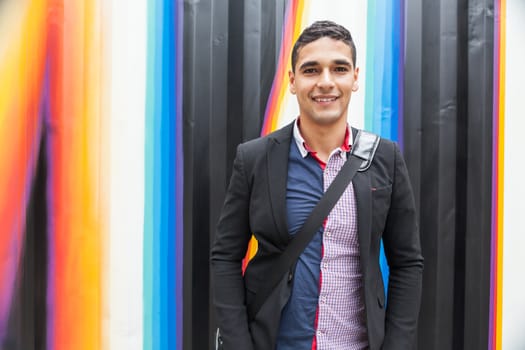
[(325, 79)]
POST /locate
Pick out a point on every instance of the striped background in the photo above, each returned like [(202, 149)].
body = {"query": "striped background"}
[(93, 90), (101, 83), (508, 304)]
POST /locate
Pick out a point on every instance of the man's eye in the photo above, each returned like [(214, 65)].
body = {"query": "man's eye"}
[(309, 71), (341, 69)]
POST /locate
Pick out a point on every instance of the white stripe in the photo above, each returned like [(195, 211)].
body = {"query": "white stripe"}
[(513, 320), (128, 93)]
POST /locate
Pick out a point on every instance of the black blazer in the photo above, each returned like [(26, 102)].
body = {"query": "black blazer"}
[(256, 203)]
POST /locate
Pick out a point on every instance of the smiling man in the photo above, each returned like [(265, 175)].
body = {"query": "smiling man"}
[(333, 297)]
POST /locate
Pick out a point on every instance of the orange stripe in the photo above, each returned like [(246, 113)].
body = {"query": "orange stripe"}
[(77, 174), (501, 164)]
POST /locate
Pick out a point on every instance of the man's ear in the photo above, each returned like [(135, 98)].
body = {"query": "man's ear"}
[(355, 86), (291, 77)]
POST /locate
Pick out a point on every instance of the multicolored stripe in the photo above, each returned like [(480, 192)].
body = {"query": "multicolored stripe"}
[(274, 114), (22, 70), (104, 91), (384, 62), (498, 134), (384, 78), (294, 23)]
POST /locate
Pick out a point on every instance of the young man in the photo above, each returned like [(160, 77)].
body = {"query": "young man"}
[(334, 297)]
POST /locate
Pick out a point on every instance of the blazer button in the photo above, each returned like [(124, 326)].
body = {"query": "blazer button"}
[(290, 276)]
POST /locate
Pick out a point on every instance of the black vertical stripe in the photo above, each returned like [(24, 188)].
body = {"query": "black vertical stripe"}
[(448, 125), (27, 328)]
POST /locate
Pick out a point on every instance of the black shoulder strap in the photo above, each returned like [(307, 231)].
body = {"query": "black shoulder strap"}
[(365, 147), (359, 159)]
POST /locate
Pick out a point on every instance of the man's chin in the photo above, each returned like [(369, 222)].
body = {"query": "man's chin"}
[(326, 120)]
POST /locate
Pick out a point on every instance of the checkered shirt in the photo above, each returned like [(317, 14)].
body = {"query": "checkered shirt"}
[(341, 314)]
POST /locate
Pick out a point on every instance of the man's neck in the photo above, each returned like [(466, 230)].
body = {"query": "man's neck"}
[(323, 139)]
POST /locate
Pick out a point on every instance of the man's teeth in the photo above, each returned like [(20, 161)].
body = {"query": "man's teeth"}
[(325, 99)]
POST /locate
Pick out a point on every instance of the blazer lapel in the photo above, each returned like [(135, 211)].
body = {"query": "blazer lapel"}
[(277, 160)]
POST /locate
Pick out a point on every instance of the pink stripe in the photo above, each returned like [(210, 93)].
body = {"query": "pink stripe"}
[(495, 164)]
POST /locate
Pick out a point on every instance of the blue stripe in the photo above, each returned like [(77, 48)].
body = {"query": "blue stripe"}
[(385, 107), (370, 54), (379, 66), (394, 68), (400, 18), (156, 120), (149, 200), (179, 170), (160, 287), (167, 268)]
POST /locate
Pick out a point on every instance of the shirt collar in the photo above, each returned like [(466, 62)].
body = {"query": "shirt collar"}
[(303, 147)]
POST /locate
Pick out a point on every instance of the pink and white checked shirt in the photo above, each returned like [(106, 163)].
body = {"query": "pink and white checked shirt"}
[(341, 319)]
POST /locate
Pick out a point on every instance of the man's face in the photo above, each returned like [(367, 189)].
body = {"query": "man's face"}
[(324, 80)]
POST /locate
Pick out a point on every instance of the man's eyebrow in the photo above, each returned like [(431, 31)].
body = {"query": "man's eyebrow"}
[(343, 63), (308, 64), (339, 62)]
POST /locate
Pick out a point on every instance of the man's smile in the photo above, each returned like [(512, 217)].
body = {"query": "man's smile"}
[(324, 99)]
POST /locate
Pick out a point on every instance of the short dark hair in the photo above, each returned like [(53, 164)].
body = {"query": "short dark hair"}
[(319, 30)]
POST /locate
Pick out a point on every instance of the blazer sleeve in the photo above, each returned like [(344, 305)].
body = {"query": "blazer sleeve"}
[(403, 251), (231, 240)]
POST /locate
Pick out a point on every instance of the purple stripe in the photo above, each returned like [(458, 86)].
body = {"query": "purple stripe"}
[(50, 314), (495, 160), (401, 87), (179, 187)]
